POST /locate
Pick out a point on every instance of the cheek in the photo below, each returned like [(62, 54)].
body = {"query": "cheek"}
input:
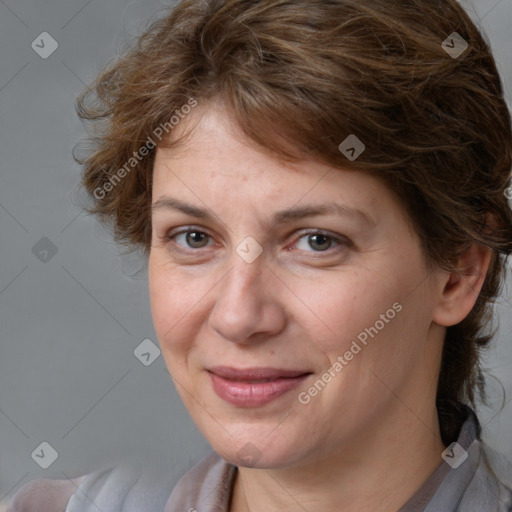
[(374, 323), (172, 305), (340, 308)]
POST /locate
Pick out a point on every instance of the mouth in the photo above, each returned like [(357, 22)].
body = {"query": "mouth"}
[(253, 387)]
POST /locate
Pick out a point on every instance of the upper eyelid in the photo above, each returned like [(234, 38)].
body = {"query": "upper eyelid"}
[(186, 229), (338, 238)]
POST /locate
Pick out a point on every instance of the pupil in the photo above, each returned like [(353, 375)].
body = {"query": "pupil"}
[(322, 241), (195, 238)]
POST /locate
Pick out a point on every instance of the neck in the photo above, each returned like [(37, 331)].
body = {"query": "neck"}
[(380, 470)]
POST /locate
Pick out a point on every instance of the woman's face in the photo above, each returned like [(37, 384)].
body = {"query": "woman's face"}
[(295, 317)]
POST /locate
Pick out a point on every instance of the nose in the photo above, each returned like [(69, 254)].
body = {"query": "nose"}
[(247, 306)]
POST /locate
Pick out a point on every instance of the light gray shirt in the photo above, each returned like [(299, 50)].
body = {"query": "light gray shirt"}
[(207, 487)]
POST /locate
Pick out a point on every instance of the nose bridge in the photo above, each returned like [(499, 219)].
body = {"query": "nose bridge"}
[(247, 263), (245, 281), (244, 302)]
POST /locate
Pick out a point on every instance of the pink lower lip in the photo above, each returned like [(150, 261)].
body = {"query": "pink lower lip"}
[(246, 394)]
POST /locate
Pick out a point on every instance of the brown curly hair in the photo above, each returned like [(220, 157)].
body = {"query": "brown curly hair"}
[(299, 76)]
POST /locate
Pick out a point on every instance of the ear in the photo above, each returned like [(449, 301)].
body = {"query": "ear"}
[(460, 289)]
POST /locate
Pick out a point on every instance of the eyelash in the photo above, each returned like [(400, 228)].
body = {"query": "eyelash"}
[(338, 240)]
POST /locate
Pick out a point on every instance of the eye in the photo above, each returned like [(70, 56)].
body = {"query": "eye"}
[(319, 242), (190, 238)]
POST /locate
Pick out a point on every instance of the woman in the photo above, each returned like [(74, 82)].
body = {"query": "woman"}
[(320, 188)]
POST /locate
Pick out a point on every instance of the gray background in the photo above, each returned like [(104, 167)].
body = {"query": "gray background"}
[(69, 326)]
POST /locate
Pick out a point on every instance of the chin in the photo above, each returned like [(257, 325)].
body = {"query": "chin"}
[(256, 451)]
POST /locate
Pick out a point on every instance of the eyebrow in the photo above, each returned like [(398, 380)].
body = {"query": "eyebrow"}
[(280, 217)]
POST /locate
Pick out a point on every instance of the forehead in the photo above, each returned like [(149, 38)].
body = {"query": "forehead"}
[(216, 162)]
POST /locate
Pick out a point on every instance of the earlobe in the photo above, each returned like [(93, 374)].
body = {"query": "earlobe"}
[(462, 287)]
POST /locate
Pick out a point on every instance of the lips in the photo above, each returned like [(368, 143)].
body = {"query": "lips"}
[(258, 374), (254, 387)]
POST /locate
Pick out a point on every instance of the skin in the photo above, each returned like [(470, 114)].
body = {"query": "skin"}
[(370, 437)]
